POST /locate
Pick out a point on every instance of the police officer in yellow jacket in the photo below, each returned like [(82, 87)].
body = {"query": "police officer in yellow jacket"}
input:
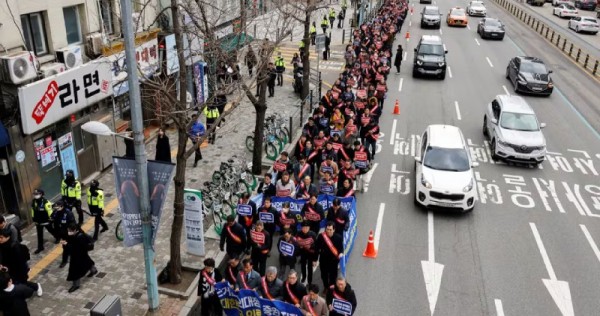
[(313, 32), (279, 69), (212, 114), (95, 200), (331, 17), (70, 189), (324, 24), (41, 212)]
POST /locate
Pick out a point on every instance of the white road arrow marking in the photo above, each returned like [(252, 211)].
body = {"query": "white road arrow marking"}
[(432, 271), (499, 308), (400, 84), (559, 290), (489, 62), (589, 238)]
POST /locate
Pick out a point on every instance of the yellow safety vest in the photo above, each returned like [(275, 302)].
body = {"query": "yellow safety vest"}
[(212, 113), (325, 22), (313, 29), (279, 62), (332, 13), (71, 192), (95, 201), (301, 45)]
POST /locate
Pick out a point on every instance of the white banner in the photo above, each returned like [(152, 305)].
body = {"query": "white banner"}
[(194, 228), (49, 100)]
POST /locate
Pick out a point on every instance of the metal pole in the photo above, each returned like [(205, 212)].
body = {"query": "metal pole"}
[(140, 153)]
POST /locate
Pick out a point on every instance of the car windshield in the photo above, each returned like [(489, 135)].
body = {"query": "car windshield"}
[(590, 20), (493, 23), (428, 49), (568, 7), (431, 12), (477, 4), (457, 12), (533, 67), (519, 122), (446, 159)]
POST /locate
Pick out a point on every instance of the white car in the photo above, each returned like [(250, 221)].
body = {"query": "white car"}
[(584, 24), (443, 170), (476, 8), (558, 2), (565, 10)]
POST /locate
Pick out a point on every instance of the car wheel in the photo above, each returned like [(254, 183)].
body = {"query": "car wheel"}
[(485, 131), (415, 74), (560, 15), (577, 29), (507, 76), (493, 150)]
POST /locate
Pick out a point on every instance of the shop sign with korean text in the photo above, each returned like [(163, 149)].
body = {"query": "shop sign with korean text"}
[(50, 100)]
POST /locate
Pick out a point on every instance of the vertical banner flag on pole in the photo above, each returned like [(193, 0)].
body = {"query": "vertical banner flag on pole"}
[(193, 215), (159, 178)]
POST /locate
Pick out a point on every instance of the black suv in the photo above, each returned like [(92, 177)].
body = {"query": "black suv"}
[(430, 57), (529, 75)]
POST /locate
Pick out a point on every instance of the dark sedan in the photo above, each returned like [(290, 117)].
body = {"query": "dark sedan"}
[(529, 75), (585, 4), (490, 28)]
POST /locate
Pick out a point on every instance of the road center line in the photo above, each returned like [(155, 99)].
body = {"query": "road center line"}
[(379, 223), (588, 236), (489, 62), (410, 22), (543, 252), (457, 110), (477, 41), (430, 246), (441, 31), (393, 131), (400, 84), (505, 90), (499, 308), (449, 71)]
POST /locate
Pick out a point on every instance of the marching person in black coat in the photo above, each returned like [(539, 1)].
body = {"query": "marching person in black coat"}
[(287, 260), (13, 297), (231, 271), (234, 234), (330, 248), (293, 291), (247, 221), (209, 276), (312, 212), (341, 291), (260, 241), (79, 244), (271, 287), (163, 147), (267, 187), (339, 216), (62, 218), (398, 59), (268, 215), (306, 239), (13, 258)]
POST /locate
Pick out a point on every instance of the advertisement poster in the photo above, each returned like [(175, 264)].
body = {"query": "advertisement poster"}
[(67, 154), (194, 230), (47, 156), (201, 83), (159, 176)]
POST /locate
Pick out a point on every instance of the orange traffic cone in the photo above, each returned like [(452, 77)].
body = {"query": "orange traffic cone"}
[(412, 9), (407, 35), (370, 252), (397, 107)]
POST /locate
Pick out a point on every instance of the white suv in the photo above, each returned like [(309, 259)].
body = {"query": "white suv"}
[(443, 170)]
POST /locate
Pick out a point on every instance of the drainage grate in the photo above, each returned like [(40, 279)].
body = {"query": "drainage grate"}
[(100, 275)]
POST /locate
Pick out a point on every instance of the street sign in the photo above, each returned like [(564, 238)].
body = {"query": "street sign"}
[(320, 42)]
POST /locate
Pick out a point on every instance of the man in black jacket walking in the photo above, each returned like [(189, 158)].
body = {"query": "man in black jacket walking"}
[(209, 276), (341, 291), (330, 248), (235, 236), (13, 297)]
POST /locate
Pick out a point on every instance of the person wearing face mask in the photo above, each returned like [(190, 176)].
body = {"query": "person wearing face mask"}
[(41, 212), (70, 189), (312, 304), (209, 276), (163, 147), (79, 244), (95, 200), (62, 218)]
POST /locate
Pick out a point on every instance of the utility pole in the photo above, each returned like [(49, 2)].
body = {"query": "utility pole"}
[(140, 152), (361, 14)]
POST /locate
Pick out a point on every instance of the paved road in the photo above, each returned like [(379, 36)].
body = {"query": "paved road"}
[(530, 224)]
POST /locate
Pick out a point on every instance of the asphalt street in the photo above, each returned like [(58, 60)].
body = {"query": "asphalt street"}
[(530, 247)]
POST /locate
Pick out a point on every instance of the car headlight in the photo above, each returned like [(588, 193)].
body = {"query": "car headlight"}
[(419, 62), (550, 85), (503, 143), (521, 80), (441, 64), (469, 186), (425, 183)]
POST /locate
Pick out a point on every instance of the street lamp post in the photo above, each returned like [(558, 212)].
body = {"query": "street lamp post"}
[(140, 152)]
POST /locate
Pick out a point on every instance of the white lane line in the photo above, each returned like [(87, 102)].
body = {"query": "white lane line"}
[(591, 241), (489, 62), (543, 252), (441, 31), (457, 110), (400, 84), (379, 223), (410, 22), (444, 47), (393, 131), (449, 71), (468, 26), (431, 244), (477, 41), (499, 308), (505, 90), (404, 56)]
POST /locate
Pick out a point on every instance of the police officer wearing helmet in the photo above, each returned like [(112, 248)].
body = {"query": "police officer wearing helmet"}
[(41, 211), (70, 189), (95, 200), (62, 218)]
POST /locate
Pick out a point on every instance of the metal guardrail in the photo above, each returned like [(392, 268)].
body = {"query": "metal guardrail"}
[(588, 61)]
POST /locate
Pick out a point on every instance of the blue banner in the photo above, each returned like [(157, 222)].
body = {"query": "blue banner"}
[(348, 203), (247, 302)]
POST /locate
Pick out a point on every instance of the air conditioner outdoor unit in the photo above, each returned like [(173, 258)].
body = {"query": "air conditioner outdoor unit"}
[(18, 67), (95, 43), (52, 69), (138, 22), (70, 56)]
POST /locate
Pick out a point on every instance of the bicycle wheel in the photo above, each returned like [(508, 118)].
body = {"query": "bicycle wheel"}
[(234, 198), (282, 135), (280, 143), (241, 187), (271, 151), (217, 177), (250, 143), (227, 210), (249, 178), (218, 220), (119, 231)]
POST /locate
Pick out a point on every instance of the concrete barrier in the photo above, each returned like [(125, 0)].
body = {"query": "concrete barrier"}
[(583, 58)]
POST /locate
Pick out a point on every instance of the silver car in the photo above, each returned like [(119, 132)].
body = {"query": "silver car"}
[(514, 131), (476, 8)]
